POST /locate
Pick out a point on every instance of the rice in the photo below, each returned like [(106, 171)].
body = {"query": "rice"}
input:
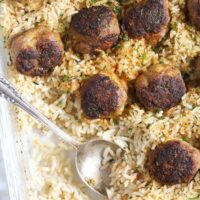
[(52, 178), (135, 131)]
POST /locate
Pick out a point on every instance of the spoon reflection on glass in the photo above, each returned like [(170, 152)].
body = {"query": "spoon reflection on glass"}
[(88, 158)]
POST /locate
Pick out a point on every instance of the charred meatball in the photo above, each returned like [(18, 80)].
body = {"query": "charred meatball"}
[(193, 7), (161, 87), (36, 52), (148, 19), (93, 29), (103, 96), (174, 162)]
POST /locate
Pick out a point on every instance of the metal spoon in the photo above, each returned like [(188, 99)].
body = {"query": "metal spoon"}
[(88, 158)]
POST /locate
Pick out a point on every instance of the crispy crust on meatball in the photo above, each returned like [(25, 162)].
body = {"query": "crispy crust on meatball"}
[(148, 19), (173, 162), (36, 52), (103, 96), (93, 29), (161, 87), (193, 8)]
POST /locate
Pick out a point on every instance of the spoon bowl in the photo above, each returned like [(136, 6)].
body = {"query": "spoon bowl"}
[(89, 164)]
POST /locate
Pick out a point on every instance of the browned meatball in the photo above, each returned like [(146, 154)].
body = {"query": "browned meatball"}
[(193, 7), (103, 96), (36, 52), (161, 87), (148, 19), (93, 29), (174, 162)]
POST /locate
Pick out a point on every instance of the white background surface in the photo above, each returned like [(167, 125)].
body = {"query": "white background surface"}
[(3, 184)]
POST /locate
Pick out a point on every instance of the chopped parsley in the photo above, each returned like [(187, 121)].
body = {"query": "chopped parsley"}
[(92, 2), (144, 56), (156, 49), (76, 118), (78, 56), (158, 110), (117, 46), (161, 135), (66, 78), (125, 37), (117, 10), (194, 198)]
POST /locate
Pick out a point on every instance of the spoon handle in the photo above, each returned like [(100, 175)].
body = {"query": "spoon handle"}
[(9, 93)]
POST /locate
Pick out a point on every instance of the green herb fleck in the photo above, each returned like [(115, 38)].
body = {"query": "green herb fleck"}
[(144, 56), (92, 2), (117, 10), (117, 46), (161, 135), (115, 122), (156, 49), (125, 37), (66, 78), (194, 198), (185, 139), (76, 118), (1, 26), (158, 110), (161, 117), (61, 104), (78, 55), (137, 50), (130, 129)]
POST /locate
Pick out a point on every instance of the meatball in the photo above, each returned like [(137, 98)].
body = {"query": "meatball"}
[(161, 87), (173, 162), (36, 52), (148, 19), (93, 29), (103, 96), (193, 7)]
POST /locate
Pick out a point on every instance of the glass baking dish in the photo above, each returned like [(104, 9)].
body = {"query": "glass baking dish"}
[(10, 141)]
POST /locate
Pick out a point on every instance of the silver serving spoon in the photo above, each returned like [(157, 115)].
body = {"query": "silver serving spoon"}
[(88, 158)]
